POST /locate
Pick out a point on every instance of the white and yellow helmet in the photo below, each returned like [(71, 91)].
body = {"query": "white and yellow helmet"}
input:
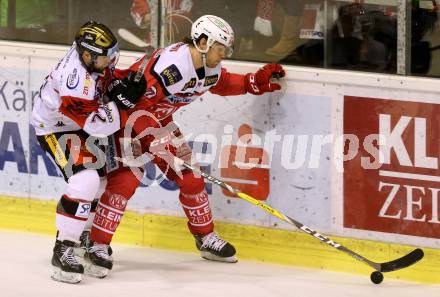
[(216, 29)]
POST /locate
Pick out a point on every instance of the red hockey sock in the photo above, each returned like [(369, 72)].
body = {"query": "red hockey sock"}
[(195, 203), (121, 185), (109, 212)]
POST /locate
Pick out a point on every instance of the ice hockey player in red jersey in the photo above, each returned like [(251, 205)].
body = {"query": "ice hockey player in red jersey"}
[(70, 109), (175, 76)]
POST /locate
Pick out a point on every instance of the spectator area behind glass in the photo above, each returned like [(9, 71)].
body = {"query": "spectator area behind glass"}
[(338, 34)]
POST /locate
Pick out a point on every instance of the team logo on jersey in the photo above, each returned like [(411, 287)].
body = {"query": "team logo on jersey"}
[(190, 84), (60, 124), (150, 92), (210, 80), (73, 79), (171, 75)]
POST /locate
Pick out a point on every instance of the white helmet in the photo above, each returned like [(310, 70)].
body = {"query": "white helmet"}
[(217, 30)]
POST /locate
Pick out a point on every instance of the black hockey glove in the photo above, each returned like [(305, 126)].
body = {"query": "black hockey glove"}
[(126, 92)]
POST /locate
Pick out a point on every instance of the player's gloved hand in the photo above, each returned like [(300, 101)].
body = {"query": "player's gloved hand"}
[(259, 83), (127, 92), (182, 149)]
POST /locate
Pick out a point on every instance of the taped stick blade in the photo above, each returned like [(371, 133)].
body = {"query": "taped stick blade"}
[(403, 262)]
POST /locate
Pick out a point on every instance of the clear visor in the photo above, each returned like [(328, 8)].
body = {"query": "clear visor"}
[(113, 54), (227, 51)]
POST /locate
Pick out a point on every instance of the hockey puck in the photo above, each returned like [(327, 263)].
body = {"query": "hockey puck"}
[(376, 277)]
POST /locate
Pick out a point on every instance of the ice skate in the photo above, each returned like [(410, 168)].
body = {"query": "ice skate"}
[(66, 267), (98, 262), (81, 248), (213, 248)]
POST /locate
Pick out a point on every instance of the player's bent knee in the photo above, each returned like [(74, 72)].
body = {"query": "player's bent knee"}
[(72, 208), (124, 183), (83, 185)]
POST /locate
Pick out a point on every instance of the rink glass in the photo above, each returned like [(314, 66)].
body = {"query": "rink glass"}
[(383, 36)]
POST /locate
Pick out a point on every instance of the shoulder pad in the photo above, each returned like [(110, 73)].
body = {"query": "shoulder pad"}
[(77, 82)]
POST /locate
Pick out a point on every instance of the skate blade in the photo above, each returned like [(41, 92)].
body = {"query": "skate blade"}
[(212, 257), (66, 277), (94, 270)]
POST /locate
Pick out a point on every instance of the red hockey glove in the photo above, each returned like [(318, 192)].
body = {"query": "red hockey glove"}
[(259, 83), (182, 149)]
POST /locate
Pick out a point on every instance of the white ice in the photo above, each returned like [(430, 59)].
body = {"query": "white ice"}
[(25, 271)]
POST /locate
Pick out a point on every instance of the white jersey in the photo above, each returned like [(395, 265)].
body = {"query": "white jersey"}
[(69, 100), (176, 69), (173, 82)]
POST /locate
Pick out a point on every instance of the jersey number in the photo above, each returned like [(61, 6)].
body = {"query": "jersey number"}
[(100, 117)]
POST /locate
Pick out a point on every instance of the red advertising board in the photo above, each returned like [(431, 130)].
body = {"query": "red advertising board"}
[(244, 167), (393, 183)]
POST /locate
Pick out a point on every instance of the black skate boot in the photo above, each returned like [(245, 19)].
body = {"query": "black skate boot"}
[(214, 248), (84, 242), (81, 248), (66, 267), (98, 262)]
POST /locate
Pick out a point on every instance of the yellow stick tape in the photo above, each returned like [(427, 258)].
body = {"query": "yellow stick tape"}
[(55, 147)]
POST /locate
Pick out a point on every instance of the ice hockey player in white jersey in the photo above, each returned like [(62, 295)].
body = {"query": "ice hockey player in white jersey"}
[(68, 111)]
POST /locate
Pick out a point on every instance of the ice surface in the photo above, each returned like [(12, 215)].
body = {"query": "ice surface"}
[(138, 271)]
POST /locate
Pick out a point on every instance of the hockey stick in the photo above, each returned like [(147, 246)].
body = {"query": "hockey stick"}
[(141, 69), (131, 38), (400, 263)]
